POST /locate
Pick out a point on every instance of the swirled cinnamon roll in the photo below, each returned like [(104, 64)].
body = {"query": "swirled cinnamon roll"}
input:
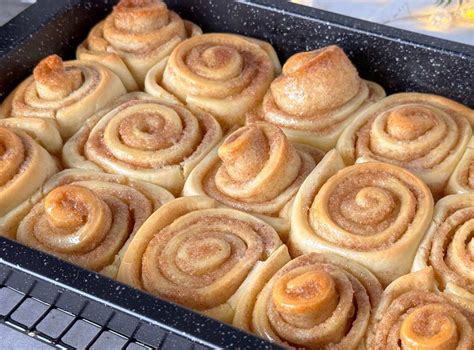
[(316, 301), (413, 314), (43, 131), (317, 95), (88, 218), (66, 92), (144, 138), (426, 134), (223, 74), (373, 213), (447, 246), (462, 178), (25, 165), (134, 37), (256, 170), (201, 256)]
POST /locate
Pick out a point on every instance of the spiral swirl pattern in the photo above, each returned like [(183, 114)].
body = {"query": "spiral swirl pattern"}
[(316, 301), (43, 131), (134, 37), (447, 245), (24, 167), (66, 92), (317, 95), (87, 218), (364, 212), (146, 139), (423, 133), (255, 170), (197, 255), (462, 179), (223, 74), (412, 315)]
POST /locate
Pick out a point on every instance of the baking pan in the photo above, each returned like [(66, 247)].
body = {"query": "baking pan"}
[(396, 59)]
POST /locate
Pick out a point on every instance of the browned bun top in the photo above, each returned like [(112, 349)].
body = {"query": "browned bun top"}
[(316, 81)]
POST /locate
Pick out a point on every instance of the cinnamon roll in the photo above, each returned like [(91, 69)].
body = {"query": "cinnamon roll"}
[(413, 314), (198, 255), (447, 246), (373, 213), (256, 170), (43, 131), (134, 37), (426, 134), (462, 179), (88, 218), (144, 138), (224, 74), (316, 301), (24, 165), (316, 97), (65, 92)]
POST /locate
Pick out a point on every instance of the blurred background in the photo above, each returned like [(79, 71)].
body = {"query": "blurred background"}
[(10, 8), (447, 19)]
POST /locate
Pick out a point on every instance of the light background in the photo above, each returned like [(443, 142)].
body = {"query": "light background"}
[(413, 15)]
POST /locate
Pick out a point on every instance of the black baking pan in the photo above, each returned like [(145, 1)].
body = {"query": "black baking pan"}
[(396, 59)]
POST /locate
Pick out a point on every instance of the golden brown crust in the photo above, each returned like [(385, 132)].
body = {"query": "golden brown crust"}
[(52, 80), (144, 138), (315, 301), (373, 213), (255, 170), (462, 178), (65, 92), (426, 134), (413, 314), (446, 245), (314, 81), (88, 218), (24, 167), (198, 255), (224, 74), (316, 96), (43, 131), (134, 37)]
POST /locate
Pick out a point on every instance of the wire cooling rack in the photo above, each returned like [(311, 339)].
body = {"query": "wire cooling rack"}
[(37, 314)]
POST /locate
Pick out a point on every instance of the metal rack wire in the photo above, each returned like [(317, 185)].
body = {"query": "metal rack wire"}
[(37, 314)]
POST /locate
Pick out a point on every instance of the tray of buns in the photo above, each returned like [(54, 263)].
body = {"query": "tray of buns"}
[(249, 174)]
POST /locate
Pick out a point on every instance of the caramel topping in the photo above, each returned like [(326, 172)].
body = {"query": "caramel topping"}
[(11, 154), (244, 153), (410, 121), (316, 81), (69, 206), (53, 82), (306, 299), (78, 219), (139, 16), (429, 329)]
